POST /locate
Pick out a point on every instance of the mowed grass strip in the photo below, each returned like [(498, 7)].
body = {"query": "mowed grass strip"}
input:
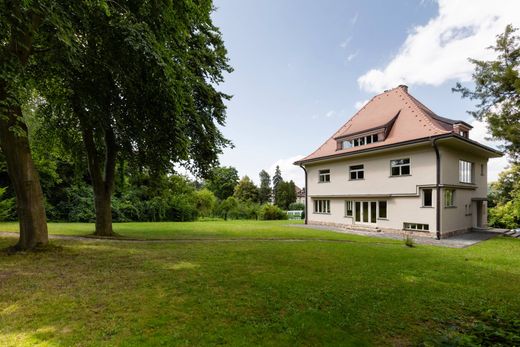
[(250, 293), (219, 229)]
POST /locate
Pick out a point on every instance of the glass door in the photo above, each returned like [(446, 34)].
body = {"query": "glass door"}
[(365, 212)]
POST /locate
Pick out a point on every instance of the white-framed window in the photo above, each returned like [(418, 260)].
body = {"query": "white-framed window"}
[(465, 171), (321, 206), (416, 226), (349, 208), (427, 197), (357, 172), (449, 197), (360, 141), (382, 209), (324, 176), (400, 167)]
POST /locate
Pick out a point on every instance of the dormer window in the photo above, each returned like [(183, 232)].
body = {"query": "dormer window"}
[(359, 141), (461, 129)]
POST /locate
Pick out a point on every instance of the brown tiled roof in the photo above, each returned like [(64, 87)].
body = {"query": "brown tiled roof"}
[(412, 120)]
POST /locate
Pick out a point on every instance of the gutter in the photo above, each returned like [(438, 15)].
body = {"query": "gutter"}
[(306, 193), (437, 189)]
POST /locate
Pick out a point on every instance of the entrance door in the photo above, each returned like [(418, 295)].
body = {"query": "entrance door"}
[(479, 214), (365, 212)]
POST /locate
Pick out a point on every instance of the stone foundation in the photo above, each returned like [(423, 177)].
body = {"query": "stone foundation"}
[(355, 227)]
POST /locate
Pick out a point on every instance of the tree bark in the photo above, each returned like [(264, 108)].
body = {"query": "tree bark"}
[(103, 176), (24, 178)]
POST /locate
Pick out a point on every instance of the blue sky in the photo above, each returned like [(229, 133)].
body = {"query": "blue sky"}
[(302, 68)]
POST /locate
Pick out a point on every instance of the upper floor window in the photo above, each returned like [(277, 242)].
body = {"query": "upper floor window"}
[(464, 133), (324, 176), (360, 141), (465, 171), (321, 206), (357, 172), (449, 197), (400, 167), (482, 170)]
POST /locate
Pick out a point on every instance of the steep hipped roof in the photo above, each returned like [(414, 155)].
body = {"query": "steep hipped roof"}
[(408, 119)]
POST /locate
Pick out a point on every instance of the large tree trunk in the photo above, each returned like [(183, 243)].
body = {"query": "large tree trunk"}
[(25, 181), (102, 175), (14, 140)]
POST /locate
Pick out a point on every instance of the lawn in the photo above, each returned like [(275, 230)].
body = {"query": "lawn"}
[(364, 292)]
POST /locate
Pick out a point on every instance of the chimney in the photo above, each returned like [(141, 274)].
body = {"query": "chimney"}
[(404, 87)]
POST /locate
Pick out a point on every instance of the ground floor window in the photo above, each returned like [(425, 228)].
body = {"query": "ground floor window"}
[(348, 208), (449, 197), (427, 198), (416, 226), (382, 210), (321, 206)]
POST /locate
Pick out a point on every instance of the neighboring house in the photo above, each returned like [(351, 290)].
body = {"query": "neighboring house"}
[(300, 195), (396, 165)]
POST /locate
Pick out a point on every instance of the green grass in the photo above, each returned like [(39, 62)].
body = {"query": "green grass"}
[(219, 229), (364, 292)]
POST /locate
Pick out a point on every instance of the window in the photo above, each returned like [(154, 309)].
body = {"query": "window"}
[(360, 141), (382, 209), (357, 172), (427, 198), (400, 167), (416, 227), (464, 133), (346, 144), (321, 206), (449, 197), (324, 176), (465, 171), (481, 169), (348, 208)]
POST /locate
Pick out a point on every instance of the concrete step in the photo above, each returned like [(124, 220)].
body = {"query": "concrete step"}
[(510, 233)]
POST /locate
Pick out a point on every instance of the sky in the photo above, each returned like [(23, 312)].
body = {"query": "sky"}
[(302, 68)]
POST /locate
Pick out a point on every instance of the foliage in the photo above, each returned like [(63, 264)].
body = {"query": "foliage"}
[(285, 194), (277, 179), (205, 202), (504, 199), (226, 206), (222, 181), (272, 212), (265, 191), (296, 206), (6, 206), (497, 88), (246, 190)]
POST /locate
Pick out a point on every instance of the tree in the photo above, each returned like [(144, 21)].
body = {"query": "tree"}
[(277, 178), (222, 181), (504, 199), (6, 206), (265, 191), (286, 194), (227, 206), (497, 88), (28, 30), (157, 65), (246, 190), (205, 201)]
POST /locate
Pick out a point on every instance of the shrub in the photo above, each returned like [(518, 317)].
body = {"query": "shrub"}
[(272, 212), (6, 207), (504, 216), (296, 206)]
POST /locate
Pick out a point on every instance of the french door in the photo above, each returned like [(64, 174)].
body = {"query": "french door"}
[(365, 212)]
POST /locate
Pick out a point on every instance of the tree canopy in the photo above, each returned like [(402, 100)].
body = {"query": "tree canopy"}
[(497, 88)]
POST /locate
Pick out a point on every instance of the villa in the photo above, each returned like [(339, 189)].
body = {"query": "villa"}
[(397, 166)]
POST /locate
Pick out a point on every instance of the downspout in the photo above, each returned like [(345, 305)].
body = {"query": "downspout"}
[(437, 189), (306, 192)]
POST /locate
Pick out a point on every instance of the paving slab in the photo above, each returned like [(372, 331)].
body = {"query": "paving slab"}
[(458, 241)]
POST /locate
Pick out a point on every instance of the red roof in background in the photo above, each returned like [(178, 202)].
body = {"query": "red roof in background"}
[(413, 121)]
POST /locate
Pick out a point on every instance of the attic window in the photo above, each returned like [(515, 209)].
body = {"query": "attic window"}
[(464, 133), (360, 141)]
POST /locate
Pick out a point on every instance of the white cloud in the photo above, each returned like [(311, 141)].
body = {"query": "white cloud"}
[(360, 104), (481, 134), (289, 170), (345, 43), (354, 19), (330, 114), (438, 51), (351, 56)]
